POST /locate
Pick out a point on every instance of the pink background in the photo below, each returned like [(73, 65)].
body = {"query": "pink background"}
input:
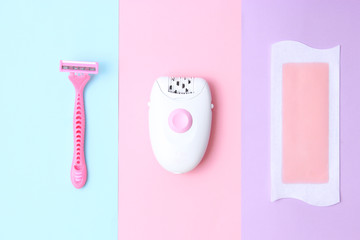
[(187, 38)]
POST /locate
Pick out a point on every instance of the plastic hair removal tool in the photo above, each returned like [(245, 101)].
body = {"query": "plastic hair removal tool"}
[(79, 76), (180, 114)]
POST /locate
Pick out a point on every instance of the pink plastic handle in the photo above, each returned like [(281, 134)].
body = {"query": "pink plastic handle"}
[(78, 167)]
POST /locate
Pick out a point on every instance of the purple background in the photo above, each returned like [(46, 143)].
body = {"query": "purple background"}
[(320, 24)]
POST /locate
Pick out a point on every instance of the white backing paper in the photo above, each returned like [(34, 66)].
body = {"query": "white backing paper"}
[(324, 194)]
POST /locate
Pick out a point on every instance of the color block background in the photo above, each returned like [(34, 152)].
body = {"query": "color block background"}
[(37, 199), (186, 38), (319, 24)]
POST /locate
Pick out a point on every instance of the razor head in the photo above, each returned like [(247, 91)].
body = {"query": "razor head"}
[(79, 67), (181, 85)]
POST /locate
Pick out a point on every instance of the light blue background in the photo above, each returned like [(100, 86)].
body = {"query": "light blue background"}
[(37, 199)]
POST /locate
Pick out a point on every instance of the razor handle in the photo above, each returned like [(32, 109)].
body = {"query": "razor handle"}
[(78, 167)]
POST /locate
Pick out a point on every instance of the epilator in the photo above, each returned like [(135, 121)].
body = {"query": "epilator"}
[(180, 113)]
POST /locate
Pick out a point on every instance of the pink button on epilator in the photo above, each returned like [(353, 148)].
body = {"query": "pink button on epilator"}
[(180, 120)]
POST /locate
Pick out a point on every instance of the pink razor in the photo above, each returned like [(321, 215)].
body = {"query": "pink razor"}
[(79, 76)]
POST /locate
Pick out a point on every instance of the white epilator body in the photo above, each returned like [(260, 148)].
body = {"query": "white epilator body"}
[(180, 113)]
